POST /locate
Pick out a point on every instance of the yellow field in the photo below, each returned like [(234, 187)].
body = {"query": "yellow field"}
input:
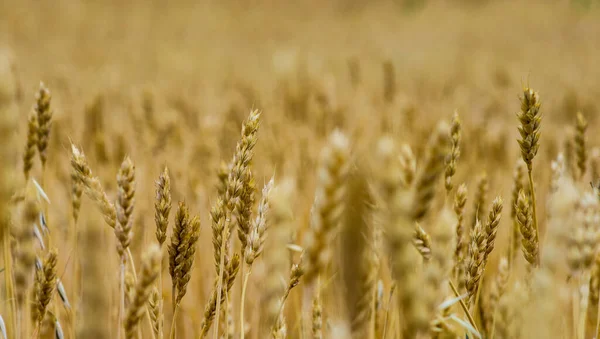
[(327, 170)]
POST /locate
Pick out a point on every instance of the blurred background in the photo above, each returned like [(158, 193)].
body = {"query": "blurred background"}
[(170, 82)]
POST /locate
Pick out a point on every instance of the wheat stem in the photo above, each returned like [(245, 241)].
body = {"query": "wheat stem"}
[(243, 298), (463, 305), (172, 332), (533, 205)]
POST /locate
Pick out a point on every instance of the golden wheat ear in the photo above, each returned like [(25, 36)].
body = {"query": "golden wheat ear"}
[(328, 204), (581, 151), (45, 286), (93, 188), (44, 119), (433, 167), (124, 206), (529, 243), (32, 142), (460, 251), (143, 289), (451, 160)]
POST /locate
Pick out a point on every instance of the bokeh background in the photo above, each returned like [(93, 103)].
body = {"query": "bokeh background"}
[(170, 82)]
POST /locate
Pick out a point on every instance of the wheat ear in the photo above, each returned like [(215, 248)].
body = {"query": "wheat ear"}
[(93, 187), (422, 242), (460, 251), (426, 180), (515, 233), (44, 118), (45, 285), (328, 204), (211, 307), (530, 241), (148, 275), (162, 210), (277, 263), (396, 217), (581, 152), (221, 212), (123, 227), (475, 265), (491, 227), (452, 158), (32, 142), (530, 120)]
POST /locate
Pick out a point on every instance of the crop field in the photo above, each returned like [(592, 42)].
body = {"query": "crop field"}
[(299, 169)]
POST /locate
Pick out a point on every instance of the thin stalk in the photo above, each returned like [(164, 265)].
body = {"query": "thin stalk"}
[(510, 248), (533, 203), (387, 313), (463, 305), (172, 332), (575, 314), (160, 302), (75, 276), (494, 325), (220, 280), (371, 326), (36, 331), (8, 278), (583, 280), (19, 330), (598, 321), (478, 293), (244, 286), (121, 298)]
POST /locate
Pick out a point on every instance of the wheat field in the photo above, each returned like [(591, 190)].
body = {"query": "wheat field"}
[(269, 169)]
